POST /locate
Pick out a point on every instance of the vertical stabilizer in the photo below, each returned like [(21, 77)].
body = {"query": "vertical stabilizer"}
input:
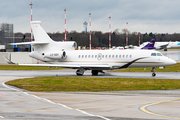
[(150, 45), (39, 34)]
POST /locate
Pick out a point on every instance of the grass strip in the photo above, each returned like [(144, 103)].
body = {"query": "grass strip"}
[(173, 68), (48, 84), (17, 67)]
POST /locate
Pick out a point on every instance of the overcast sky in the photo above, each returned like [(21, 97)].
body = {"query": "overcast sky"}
[(157, 16)]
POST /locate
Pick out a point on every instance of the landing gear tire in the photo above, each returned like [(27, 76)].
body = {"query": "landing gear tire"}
[(94, 72), (153, 74), (80, 72), (165, 49)]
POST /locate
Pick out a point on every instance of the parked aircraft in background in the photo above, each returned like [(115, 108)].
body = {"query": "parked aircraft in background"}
[(63, 54), (148, 46), (163, 45)]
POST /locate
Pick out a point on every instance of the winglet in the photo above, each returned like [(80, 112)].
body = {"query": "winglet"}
[(7, 60)]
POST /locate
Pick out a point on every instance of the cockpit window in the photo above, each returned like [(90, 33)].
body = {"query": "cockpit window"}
[(159, 54), (153, 54)]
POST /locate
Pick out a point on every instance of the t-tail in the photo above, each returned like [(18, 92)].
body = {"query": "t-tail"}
[(150, 45), (44, 48)]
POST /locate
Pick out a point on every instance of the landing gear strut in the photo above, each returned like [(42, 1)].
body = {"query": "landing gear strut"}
[(153, 70)]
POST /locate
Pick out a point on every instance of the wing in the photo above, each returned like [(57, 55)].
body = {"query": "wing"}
[(163, 46), (74, 66), (32, 43)]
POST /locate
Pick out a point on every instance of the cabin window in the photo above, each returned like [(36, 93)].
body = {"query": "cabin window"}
[(130, 56), (153, 54), (126, 56), (82, 56), (112, 56), (88, 56), (85, 56), (109, 56), (119, 56), (123, 56), (95, 56), (106, 56), (92, 56), (159, 54), (116, 56), (102, 56), (79, 56)]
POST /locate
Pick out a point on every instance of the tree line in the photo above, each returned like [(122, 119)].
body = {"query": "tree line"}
[(100, 39)]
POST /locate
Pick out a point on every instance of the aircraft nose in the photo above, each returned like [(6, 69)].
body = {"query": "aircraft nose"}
[(171, 61)]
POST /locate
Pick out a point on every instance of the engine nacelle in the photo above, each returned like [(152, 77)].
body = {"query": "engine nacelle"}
[(55, 55)]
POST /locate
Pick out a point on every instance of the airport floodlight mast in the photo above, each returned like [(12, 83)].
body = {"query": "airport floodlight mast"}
[(85, 26), (126, 34), (31, 20), (109, 31), (90, 31), (65, 24)]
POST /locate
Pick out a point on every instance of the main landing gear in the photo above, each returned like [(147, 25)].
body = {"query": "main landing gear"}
[(80, 72), (153, 70), (95, 72)]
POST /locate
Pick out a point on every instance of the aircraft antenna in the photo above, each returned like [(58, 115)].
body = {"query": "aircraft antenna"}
[(90, 31), (109, 31), (65, 24), (126, 34)]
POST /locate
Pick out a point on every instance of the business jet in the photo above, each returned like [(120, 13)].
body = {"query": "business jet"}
[(63, 54), (164, 45)]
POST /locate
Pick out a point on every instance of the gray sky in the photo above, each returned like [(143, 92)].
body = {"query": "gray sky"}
[(157, 16)]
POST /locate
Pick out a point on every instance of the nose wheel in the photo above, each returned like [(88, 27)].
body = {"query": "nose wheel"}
[(153, 74)]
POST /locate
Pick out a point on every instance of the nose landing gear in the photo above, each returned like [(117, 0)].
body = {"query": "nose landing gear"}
[(153, 70)]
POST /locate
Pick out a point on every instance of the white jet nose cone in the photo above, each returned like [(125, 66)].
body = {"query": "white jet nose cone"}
[(171, 62)]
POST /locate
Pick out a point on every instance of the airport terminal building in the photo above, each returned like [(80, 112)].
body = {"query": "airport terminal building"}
[(6, 36)]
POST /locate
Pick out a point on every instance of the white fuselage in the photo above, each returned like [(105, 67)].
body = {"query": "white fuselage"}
[(115, 59)]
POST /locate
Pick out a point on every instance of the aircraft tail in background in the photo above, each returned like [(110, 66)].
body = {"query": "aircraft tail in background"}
[(150, 45)]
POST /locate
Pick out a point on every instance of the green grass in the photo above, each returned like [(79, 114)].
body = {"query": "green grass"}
[(93, 84), (17, 67), (173, 68)]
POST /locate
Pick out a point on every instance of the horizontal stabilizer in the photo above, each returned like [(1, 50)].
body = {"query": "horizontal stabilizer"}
[(32, 43)]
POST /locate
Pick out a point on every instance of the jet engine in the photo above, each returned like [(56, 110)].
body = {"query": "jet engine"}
[(55, 55)]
